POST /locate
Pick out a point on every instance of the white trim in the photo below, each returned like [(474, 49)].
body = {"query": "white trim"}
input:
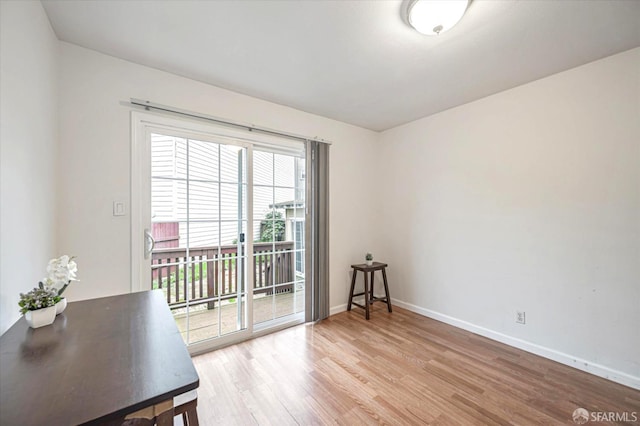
[(218, 342), (235, 338), (137, 171), (276, 324), (552, 354), (248, 241), (188, 126), (337, 309)]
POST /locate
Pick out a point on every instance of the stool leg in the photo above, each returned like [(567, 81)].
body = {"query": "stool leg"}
[(165, 419), (192, 417), (366, 295), (386, 288), (353, 284), (372, 291)]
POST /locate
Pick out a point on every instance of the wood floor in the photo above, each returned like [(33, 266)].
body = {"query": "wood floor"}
[(398, 368)]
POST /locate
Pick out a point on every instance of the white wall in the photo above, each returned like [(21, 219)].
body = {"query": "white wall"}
[(28, 134), (526, 200), (95, 157)]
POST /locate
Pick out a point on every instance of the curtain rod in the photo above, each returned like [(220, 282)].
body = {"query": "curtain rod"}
[(249, 127)]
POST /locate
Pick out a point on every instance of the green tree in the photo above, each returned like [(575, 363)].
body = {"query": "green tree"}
[(272, 227)]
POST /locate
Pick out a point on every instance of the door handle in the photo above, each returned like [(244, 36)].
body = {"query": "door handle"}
[(149, 243)]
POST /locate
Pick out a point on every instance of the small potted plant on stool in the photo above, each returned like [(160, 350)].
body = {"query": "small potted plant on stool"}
[(369, 259)]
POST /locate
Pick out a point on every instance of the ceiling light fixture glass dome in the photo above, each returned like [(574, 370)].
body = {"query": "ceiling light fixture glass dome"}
[(432, 17)]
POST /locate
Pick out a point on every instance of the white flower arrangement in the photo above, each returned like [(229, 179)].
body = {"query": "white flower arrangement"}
[(61, 272), (49, 291)]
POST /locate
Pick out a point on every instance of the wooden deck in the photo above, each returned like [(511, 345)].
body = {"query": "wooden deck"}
[(396, 369), (203, 322)]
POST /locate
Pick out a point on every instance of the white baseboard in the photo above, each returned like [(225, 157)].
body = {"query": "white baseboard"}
[(337, 309), (561, 357)]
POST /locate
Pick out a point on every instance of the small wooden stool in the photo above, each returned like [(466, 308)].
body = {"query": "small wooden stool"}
[(369, 298), (162, 414)]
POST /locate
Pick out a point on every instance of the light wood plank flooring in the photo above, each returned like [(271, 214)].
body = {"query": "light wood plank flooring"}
[(398, 368)]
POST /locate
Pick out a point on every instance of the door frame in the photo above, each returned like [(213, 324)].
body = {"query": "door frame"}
[(142, 125)]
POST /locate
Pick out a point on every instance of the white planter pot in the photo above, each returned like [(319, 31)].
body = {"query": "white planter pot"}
[(61, 306), (369, 262), (41, 317)]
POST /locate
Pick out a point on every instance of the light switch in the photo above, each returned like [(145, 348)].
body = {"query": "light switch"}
[(118, 208)]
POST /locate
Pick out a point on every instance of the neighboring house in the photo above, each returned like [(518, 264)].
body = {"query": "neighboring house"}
[(213, 176), (294, 227)]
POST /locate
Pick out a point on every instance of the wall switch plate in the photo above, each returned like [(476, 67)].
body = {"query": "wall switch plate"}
[(520, 317), (118, 208)]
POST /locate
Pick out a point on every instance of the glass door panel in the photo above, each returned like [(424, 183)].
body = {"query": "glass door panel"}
[(199, 220), (278, 229)]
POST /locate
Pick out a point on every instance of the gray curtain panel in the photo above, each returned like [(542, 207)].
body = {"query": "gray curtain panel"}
[(317, 232)]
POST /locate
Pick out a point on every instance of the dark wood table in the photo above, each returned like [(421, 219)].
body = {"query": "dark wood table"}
[(99, 361), (369, 298)]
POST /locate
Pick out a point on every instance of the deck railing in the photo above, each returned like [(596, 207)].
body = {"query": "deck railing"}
[(212, 273)]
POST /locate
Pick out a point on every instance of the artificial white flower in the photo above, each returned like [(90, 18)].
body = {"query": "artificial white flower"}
[(61, 272)]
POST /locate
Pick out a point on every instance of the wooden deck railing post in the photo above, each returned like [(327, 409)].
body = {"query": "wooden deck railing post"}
[(185, 274), (177, 281), (211, 277), (291, 266), (200, 263), (169, 282)]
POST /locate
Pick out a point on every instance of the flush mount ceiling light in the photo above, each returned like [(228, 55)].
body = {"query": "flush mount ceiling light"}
[(432, 17)]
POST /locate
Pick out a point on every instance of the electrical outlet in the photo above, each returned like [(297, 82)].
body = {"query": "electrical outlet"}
[(520, 317)]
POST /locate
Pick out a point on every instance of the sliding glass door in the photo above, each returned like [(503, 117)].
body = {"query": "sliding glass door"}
[(221, 221)]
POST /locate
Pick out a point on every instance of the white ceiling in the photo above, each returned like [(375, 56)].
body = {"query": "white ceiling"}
[(356, 61)]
